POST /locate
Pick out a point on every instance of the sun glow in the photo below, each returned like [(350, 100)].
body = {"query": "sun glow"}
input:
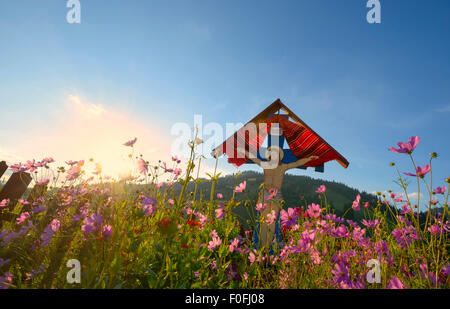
[(80, 130)]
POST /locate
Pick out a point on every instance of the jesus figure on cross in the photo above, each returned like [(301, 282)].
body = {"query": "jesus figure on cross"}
[(274, 172)]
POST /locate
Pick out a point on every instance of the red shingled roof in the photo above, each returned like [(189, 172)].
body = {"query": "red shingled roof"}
[(302, 140)]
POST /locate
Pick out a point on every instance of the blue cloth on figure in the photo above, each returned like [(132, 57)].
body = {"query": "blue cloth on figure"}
[(256, 241)]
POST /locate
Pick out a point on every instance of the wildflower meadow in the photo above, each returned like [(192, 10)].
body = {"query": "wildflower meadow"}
[(91, 231)]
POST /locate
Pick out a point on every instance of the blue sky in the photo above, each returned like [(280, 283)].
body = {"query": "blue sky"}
[(363, 87)]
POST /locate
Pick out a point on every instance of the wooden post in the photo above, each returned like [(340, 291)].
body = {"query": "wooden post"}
[(3, 168), (15, 187)]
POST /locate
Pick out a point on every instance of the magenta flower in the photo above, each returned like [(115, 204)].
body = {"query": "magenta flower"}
[(356, 202), (23, 217), (219, 195), (251, 257), (302, 246), (313, 210), (71, 163), (371, 223), (440, 190), (215, 242), (91, 223), (55, 225), (234, 244), (406, 147), (321, 189), (177, 172), (106, 231), (288, 217), (340, 273), (271, 217), (4, 203), (142, 166), (149, 205), (421, 171), (273, 193), (260, 206), (406, 209), (18, 168), (435, 229), (340, 231), (220, 212), (395, 283), (241, 187), (6, 280), (130, 143), (74, 172)]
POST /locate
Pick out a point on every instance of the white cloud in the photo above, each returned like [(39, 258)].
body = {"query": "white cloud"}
[(443, 109)]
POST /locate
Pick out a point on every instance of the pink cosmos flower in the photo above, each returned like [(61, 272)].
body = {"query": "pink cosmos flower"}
[(406, 147), (241, 187), (219, 195), (4, 202), (371, 223), (234, 244), (215, 242), (273, 193), (406, 209), (302, 246), (321, 189), (91, 223), (260, 206), (421, 171), (271, 217), (165, 168), (6, 280), (23, 217), (251, 257), (288, 217), (31, 166), (130, 143), (313, 210), (55, 225), (435, 229), (177, 172), (106, 231), (356, 202), (220, 212), (340, 273), (142, 166), (440, 190), (395, 283), (74, 172)]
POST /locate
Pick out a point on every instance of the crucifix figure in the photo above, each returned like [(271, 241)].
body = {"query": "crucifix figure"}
[(306, 150), (274, 171)]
